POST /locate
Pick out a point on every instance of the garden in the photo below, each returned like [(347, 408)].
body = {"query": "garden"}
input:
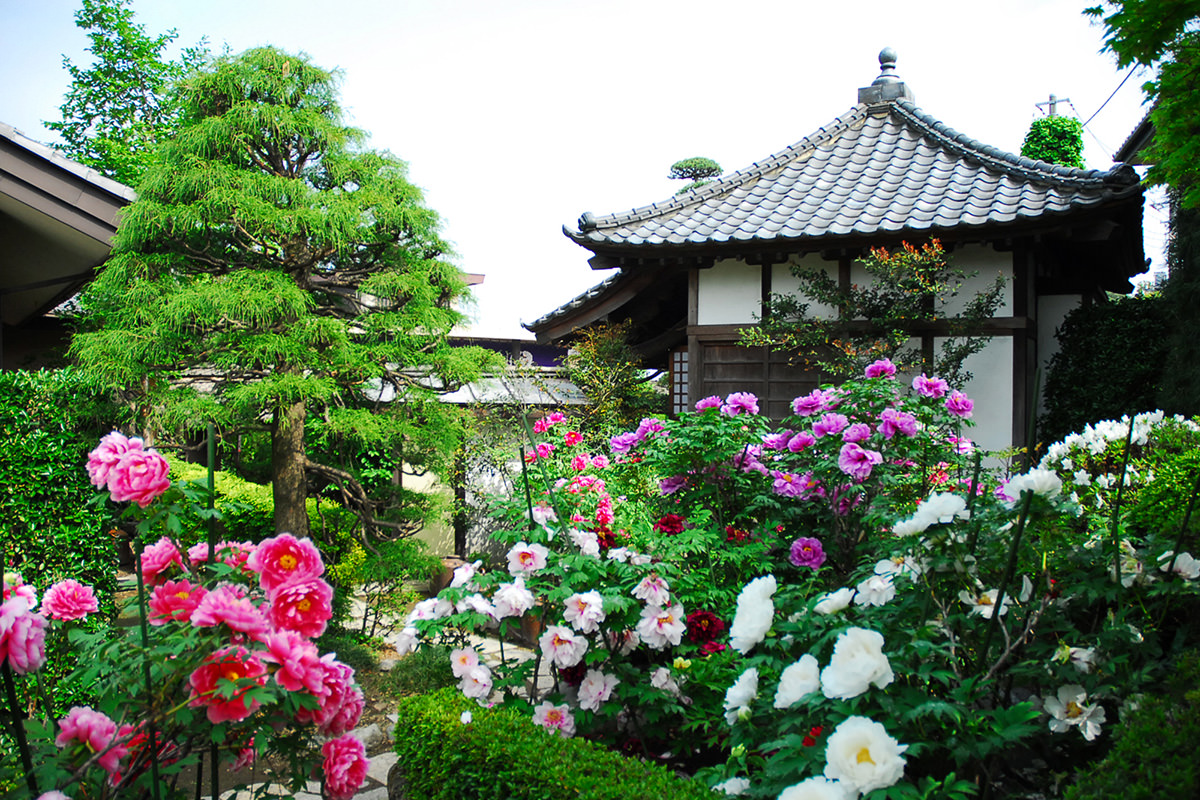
[(853, 602)]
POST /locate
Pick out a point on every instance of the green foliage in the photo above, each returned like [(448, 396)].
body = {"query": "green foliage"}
[(610, 374), (274, 270), (695, 169), (1055, 140), (51, 529), (501, 754), (1163, 34), (1110, 363), (423, 672), (910, 289), (119, 108), (351, 648), (1181, 297), (1146, 762)]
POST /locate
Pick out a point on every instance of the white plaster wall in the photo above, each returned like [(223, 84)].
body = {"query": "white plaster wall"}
[(784, 282), (991, 389), (988, 263), (730, 293), (1052, 309)]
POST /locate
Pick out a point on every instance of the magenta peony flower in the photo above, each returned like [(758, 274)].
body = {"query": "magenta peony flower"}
[(892, 422), (233, 664), (285, 559), (807, 552), (346, 716), (337, 687), (106, 455), (22, 636), (740, 403), (228, 604), (622, 443), (300, 666), (157, 559), (345, 767), (830, 425), (930, 387), (809, 404), (572, 438), (69, 599), (175, 600), (801, 441), (671, 485), (883, 368), (787, 484), (857, 432), (857, 462), (959, 404), (140, 476), (708, 402), (95, 731), (304, 606), (15, 586)]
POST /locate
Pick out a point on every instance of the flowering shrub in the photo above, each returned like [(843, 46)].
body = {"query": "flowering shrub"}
[(873, 611), (226, 660)]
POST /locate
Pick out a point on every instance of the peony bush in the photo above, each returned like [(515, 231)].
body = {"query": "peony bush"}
[(223, 666), (852, 602)]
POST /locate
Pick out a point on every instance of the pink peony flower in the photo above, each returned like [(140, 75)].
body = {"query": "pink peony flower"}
[(930, 387), (555, 718), (463, 660), (246, 757), (585, 611), (788, 484), (512, 599), (345, 767), (708, 402), (305, 606), (807, 552), (106, 455), (857, 462), (562, 646), (660, 627), (883, 368), (285, 559), (15, 586), (541, 425), (809, 404), (671, 485), (892, 422), (158, 558), (653, 590), (69, 599), (95, 731), (339, 701), (556, 417), (175, 600), (544, 449), (140, 476), (346, 716), (596, 688), (228, 604), (234, 664), (476, 682), (801, 441), (959, 404), (829, 425), (525, 558), (600, 462), (579, 462), (740, 403), (300, 667), (623, 442), (22, 636)]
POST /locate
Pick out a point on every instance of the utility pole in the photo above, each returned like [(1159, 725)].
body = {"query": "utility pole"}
[(1052, 104)]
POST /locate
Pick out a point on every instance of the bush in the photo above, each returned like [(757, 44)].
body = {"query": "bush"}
[(1110, 364), (501, 754), (422, 672), (1146, 762)]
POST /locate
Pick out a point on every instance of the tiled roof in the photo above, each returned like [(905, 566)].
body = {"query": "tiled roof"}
[(882, 168), (574, 303)]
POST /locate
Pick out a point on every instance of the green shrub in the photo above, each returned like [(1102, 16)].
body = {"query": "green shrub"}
[(1150, 759), (422, 672), (500, 754), (1110, 364)]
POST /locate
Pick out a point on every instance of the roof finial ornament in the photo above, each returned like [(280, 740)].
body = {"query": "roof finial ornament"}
[(887, 67), (887, 87)]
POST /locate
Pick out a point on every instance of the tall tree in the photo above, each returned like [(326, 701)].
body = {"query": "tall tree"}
[(117, 108), (275, 274)]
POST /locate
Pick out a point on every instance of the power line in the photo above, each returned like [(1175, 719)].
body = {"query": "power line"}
[(1128, 75)]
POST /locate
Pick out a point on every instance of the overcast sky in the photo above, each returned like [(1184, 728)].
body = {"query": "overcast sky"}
[(516, 116)]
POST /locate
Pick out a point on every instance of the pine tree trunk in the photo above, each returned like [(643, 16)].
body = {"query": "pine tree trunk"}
[(287, 463)]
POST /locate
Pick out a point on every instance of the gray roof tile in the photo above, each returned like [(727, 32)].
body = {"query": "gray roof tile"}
[(885, 168)]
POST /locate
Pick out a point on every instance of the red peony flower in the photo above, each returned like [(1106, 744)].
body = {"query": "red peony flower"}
[(704, 626), (670, 524)]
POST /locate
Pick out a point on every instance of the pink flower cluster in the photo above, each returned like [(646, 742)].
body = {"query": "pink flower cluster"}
[(128, 469)]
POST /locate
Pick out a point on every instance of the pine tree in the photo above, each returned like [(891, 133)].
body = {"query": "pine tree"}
[(274, 274)]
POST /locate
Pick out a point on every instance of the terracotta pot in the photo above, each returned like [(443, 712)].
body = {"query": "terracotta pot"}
[(442, 580)]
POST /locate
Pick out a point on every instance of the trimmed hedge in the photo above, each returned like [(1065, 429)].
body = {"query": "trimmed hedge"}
[(502, 754)]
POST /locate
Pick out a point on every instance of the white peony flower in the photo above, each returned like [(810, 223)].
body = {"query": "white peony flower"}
[(1185, 564), (661, 679), (465, 717), (562, 646), (662, 627), (939, 507), (833, 602), (739, 696), (407, 641), (1082, 658), (984, 603), (1042, 482), (858, 661), (433, 608), (755, 610), (733, 786), (1067, 710), (587, 542), (653, 590), (798, 681), (464, 573), (476, 682), (512, 599), (899, 565), (477, 603), (585, 611), (818, 788), (595, 689), (876, 590), (524, 558), (463, 660), (862, 755)]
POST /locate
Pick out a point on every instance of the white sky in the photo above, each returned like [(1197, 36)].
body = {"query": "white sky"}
[(516, 116)]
